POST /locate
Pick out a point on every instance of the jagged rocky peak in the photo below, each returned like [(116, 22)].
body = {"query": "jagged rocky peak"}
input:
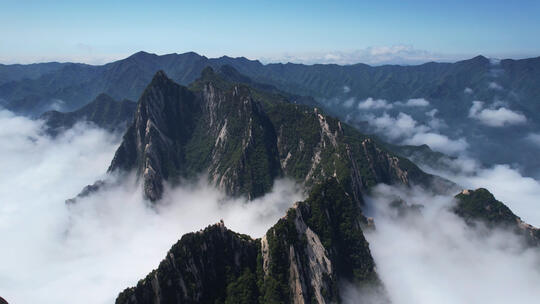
[(480, 205), (164, 121), (244, 138), (179, 133), (203, 267), (302, 259)]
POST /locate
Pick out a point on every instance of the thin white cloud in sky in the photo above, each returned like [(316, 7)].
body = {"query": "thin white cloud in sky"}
[(397, 54)]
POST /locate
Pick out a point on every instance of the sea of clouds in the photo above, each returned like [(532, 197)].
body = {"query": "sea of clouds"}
[(90, 251), (434, 257)]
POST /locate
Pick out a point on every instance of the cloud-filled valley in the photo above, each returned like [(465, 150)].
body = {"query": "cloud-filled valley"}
[(434, 257), (109, 240)]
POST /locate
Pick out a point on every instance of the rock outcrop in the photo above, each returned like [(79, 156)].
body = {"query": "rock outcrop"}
[(301, 259)]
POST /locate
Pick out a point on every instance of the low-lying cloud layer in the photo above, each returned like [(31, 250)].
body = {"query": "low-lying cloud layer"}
[(436, 258), (495, 117), (406, 130), (91, 251), (375, 104)]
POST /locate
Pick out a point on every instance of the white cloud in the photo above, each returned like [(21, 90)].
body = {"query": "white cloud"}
[(468, 91), (108, 241), (498, 117), (395, 127), (533, 138), (406, 130), (434, 122), (346, 89), (415, 102), (437, 258), (370, 104), (495, 86), (439, 142), (518, 192), (349, 102)]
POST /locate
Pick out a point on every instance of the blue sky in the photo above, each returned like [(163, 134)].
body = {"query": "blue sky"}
[(302, 31)]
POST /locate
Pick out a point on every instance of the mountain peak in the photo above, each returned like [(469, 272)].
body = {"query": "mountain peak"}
[(103, 97), (480, 59), (207, 72), (160, 79), (161, 75), (142, 54)]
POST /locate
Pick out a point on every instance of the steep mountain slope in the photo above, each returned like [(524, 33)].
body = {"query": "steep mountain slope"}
[(104, 112), (302, 259), (245, 138), (481, 206)]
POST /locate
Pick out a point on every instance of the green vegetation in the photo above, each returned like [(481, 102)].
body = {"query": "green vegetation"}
[(335, 217), (481, 205)]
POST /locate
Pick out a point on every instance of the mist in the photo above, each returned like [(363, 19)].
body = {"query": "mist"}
[(90, 251), (519, 192), (434, 257)]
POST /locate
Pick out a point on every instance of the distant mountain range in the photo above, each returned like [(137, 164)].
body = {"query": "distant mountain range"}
[(103, 112), (78, 84), (450, 89)]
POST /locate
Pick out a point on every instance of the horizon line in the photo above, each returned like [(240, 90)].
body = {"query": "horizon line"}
[(266, 61)]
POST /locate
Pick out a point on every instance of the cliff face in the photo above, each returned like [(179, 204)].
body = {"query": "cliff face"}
[(154, 144), (481, 206), (302, 259), (179, 133), (244, 138), (317, 245)]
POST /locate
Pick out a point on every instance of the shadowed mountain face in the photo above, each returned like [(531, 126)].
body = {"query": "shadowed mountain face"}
[(104, 112), (245, 138), (302, 259)]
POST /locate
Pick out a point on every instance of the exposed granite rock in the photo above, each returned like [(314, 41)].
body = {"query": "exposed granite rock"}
[(245, 138), (301, 259)]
